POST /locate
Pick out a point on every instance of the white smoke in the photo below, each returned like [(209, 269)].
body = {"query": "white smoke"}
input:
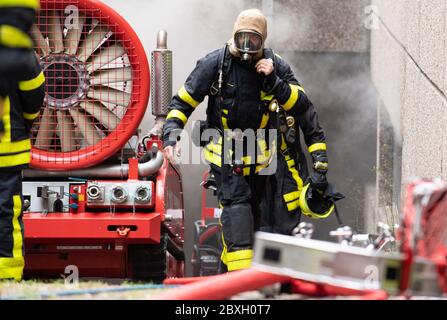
[(195, 27)]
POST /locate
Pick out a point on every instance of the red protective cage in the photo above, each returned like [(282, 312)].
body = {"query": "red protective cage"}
[(424, 228), (97, 84)]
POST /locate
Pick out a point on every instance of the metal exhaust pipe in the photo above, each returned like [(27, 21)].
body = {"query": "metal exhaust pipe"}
[(161, 76), (162, 39)]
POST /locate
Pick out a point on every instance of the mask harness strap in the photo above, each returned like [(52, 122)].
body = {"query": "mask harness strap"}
[(334, 196), (337, 214)]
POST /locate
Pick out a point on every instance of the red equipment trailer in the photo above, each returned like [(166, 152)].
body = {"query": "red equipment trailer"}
[(90, 200)]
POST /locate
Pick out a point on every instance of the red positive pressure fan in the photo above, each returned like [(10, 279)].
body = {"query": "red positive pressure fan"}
[(97, 84)]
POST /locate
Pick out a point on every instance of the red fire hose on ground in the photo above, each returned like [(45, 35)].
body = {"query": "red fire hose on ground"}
[(326, 290), (222, 286), (227, 285)]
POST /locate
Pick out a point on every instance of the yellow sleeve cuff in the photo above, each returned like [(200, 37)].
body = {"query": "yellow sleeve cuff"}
[(177, 114), (317, 147)]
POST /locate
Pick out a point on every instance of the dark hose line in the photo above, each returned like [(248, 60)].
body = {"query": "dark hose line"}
[(75, 292)]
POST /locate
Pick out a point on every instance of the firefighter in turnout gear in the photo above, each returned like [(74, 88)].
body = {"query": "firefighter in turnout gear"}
[(240, 81), (21, 97)]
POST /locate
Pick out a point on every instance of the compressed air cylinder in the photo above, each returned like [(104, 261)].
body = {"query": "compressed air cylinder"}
[(161, 76)]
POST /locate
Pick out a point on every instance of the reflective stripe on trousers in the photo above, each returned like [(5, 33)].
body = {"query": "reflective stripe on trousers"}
[(11, 226)]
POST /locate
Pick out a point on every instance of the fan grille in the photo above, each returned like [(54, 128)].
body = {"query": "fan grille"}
[(97, 84)]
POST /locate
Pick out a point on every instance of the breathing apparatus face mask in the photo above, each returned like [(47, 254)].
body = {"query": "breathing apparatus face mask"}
[(248, 43)]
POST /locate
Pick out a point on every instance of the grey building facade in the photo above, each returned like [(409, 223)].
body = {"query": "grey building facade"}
[(409, 70)]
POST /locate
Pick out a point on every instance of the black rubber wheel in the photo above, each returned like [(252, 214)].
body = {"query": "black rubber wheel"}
[(148, 261)]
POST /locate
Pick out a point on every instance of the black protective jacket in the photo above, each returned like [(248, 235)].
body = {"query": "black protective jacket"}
[(244, 96)]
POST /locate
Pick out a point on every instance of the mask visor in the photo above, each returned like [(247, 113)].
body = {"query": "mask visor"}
[(248, 41)]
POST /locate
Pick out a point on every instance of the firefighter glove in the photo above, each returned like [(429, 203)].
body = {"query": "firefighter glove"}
[(320, 161), (318, 181), (271, 82), (320, 167)]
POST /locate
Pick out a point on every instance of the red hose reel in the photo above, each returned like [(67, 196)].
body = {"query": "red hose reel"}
[(97, 84)]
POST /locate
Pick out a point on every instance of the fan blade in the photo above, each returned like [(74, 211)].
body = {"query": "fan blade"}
[(115, 75), (55, 35), (66, 131), (91, 42), (107, 118), (47, 126), (86, 126), (42, 45), (95, 23), (106, 56), (110, 95), (74, 36)]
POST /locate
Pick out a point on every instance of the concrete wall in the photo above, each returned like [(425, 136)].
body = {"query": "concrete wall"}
[(409, 69)]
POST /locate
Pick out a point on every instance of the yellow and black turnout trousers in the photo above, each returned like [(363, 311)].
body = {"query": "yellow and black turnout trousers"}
[(240, 217), (21, 107), (11, 225)]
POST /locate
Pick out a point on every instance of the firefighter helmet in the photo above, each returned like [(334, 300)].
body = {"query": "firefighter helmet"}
[(317, 204), (314, 205)]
